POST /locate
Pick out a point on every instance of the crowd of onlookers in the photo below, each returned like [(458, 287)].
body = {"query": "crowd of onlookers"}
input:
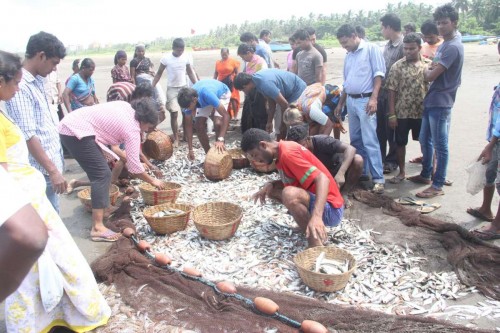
[(288, 117)]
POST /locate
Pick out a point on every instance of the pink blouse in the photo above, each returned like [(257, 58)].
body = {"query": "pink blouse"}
[(112, 123)]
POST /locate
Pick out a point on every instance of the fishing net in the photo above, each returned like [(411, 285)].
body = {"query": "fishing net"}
[(476, 262), (169, 297)]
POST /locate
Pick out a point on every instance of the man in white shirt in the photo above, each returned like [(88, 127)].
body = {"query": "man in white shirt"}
[(177, 64), (264, 40)]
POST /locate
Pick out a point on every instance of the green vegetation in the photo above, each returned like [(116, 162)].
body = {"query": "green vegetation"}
[(476, 17)]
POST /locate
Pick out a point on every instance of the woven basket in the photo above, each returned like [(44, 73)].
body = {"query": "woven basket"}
[(217, 165), (153, 196), (217, 220), (84, 196), (261, 167), (306, 260), (240, 161), (158, 146), (167, 224)]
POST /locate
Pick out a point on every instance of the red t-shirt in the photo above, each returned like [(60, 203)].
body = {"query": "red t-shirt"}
[(299, 167)]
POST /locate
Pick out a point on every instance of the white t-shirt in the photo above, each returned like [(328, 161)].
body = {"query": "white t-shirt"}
[(11, 198), (176, 69)]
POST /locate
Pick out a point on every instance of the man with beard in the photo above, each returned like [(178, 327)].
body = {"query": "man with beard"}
[(310, 192)]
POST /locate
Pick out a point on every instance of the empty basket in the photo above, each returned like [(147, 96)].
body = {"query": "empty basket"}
[(240, 161), (85, 196), (306, 260), (217, 165), (158, 146), (167, 224), (217, 220), (153, 196)]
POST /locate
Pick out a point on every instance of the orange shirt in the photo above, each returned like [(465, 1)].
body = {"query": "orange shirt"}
[(429, 51), (226, 67)]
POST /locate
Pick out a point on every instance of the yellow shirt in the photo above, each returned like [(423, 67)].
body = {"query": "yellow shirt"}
[(9, 136)]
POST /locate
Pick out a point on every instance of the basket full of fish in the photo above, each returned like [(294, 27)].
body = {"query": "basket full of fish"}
[(153, 196), (217, 220), (167, 218), (324, 268)]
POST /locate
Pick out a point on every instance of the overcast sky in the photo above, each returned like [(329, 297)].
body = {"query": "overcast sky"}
[(109, 21)]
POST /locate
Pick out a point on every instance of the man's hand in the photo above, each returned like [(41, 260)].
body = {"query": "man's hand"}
[(340, 179), (59, 185), (371, 107), (316, 229), (393, 123), (486, 154), (262, 193), (159, 184), (219, 145), (269, 127), (156, 171), (191, 155)]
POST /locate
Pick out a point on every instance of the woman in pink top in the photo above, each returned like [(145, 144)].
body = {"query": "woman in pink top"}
[(88, 131)]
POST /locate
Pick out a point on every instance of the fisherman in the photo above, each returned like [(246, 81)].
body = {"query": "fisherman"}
[(310, 194), (338, 157)]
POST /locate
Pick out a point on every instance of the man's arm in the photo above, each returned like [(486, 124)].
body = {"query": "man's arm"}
[(316, 227), (158, 74), (371, 107), (271, 109), (223, 128), (56, 178), (190, 72), (433, 71), (349, 153)]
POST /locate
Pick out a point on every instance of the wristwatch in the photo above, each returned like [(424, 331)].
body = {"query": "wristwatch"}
[(220, 139)]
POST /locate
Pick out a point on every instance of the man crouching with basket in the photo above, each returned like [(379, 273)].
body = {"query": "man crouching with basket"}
[(310, 193)]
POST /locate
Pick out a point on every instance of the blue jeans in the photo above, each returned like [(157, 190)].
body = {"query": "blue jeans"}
[(363, 135), (434, 136), (51, 195)]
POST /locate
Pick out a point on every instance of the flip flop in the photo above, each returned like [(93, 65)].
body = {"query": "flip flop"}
[(396, 180), (105, 237), (485, 235), (477, 214), (448, 182), (427, 194), (428, 208), (410, 201), (419, 180)]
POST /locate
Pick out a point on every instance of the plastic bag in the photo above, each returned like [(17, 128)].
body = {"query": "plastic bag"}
[(51, 282), (477, 177)]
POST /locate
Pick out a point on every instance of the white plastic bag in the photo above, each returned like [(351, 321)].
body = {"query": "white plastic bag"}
[(51, 282), (477, 176)]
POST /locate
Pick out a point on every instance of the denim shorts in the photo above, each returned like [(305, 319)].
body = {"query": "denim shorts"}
[(331, 216)]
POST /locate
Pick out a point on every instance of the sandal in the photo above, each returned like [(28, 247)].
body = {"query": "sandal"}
[(108, 236), (396, 180), (485, 234), (419, 180), (430, 193), (428, 208), (477, 214), (410, 201)]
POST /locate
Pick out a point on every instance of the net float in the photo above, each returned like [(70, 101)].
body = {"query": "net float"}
[(191, 271), (265, 305), (226, 287), (128, 232), (162, 259), (129, 190), (143, 246), (311, 326)]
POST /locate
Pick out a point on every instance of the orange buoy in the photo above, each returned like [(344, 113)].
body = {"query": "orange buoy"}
[(128, 232), (311, 326), (226, 287), (162, 259), (265, 305), (191, 271), (143, 246)]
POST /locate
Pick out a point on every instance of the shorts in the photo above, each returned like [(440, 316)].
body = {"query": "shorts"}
[(492, 168), (172, 104), (404, 127), (331, 216), (208, 110)]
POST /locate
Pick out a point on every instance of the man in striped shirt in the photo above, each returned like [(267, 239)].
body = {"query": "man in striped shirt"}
[(30, 110), (310, 194)]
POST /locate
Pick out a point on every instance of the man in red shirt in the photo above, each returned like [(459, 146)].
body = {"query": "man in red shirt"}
[(310, 194)]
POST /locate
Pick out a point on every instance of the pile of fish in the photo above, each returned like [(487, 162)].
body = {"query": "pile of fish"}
[(387, 278), (168, 212), (330, 266)]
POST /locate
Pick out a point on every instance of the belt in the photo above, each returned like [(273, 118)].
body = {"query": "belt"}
[(360, 95)]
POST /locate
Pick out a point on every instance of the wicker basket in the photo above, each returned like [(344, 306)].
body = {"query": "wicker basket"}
[(240, 161), (153, 196), (217, 220), (217, 165), (158, 146), (266, 168), (305, 260), (167, 224), (84, 196)]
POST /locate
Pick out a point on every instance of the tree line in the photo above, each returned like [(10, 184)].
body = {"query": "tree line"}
[(477, 17)]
